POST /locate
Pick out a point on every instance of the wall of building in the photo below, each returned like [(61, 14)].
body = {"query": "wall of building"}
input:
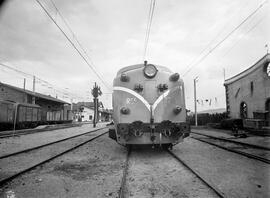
[(87, 114), (7, 93), (255, 99)]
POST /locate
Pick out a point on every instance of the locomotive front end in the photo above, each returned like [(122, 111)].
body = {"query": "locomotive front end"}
[(149, 106)]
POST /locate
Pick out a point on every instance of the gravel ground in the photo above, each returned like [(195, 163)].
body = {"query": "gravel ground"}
[(93, 170), (155, 173), (17, 143), (258, 152), (237, 176), (12, 165), (257, 140)]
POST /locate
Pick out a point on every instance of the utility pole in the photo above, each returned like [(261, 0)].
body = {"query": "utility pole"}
[(96, 92), (267, 48), (24, 83), (195, 101), (34, 89)]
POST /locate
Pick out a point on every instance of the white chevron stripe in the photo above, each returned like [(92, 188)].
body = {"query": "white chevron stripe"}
[(164, 95), (134, 94), (148, 106), (160, 98)]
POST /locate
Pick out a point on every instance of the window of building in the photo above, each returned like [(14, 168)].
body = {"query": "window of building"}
[(237, 92), (243, 110), (251, 87), (267, 69), (267, 108), (90, 117)]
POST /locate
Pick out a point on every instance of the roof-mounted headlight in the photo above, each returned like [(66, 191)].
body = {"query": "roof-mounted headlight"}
[(150, 71)]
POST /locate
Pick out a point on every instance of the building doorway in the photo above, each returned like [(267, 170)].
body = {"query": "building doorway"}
[(267, 109), (243, 110)]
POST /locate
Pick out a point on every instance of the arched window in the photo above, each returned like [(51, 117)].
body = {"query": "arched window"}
[(267, 105), (268, 69), (243, 110)]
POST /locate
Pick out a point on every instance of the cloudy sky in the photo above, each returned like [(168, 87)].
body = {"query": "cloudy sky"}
[(112, 33)]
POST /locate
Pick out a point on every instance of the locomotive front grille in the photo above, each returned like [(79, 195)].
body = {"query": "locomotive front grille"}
[(166, 128)]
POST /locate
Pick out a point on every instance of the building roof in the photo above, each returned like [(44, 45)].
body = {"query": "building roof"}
[(249, 70), (37, 95)]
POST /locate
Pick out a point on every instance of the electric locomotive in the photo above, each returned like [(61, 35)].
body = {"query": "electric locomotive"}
[(148, 106)]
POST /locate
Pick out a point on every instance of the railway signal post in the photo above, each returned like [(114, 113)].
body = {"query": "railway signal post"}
[(96, 92)]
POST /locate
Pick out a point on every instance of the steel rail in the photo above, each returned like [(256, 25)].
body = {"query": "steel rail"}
[(233, 141), (48, 144), (208, 183), (8, 179), (236, 151), (124, 177)]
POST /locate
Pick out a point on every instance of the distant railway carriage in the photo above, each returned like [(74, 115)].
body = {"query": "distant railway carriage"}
[(148, 106), (25, 115), (6, 114)]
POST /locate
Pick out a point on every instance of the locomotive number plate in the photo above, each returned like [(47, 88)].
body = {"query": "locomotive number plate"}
[(131, 101)]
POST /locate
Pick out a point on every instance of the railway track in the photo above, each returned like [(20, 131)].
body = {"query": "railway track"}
[(208, 183), (5, 178), (4, 134), (123, 192), (252, 151), (48, 144)]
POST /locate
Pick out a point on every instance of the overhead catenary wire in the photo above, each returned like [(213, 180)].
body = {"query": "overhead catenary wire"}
[(190, 67), (73, 45), (148, 28)]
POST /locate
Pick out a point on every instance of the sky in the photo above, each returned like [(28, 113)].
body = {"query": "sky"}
[(112, 34)]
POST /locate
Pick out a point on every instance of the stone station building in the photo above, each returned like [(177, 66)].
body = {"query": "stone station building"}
[(248, 94)]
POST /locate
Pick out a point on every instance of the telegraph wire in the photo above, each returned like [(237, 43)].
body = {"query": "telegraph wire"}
[(73, 45), (225, 38), (16, 70), (213, 40), (148, 28), (248, 31), (39, 80), (71, 31)]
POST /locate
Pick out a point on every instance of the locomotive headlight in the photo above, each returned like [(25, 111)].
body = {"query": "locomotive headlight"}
[(150, 71), (125, 110)]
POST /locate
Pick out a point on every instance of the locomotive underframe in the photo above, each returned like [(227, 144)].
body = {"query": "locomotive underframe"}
[(165, 132)]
